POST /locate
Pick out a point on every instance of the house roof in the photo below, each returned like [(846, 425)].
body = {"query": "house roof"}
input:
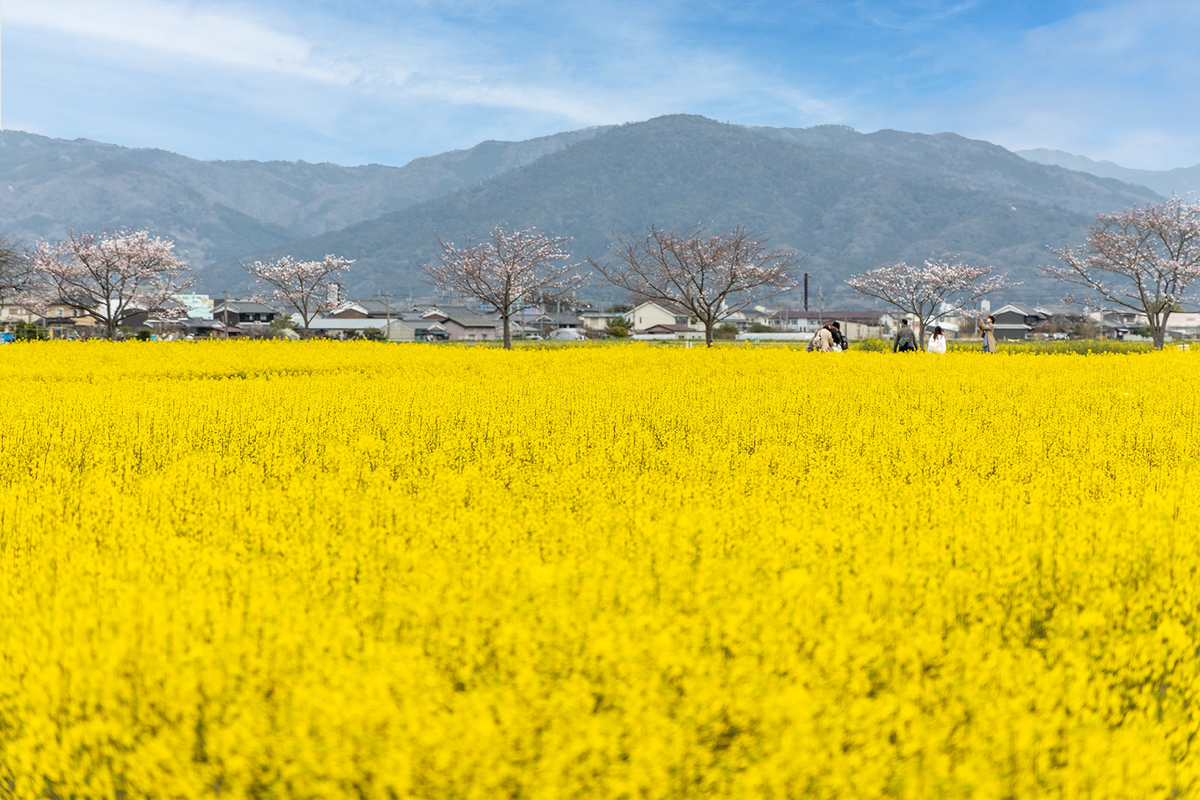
[(472, 320), (245, 307), (1058, 310), (670, 308), (1020, 308), (672, 328), (372, 307)]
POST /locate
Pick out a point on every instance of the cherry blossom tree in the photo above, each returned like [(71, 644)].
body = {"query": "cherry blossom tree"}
[(1143, 258), (930, 292), (298, 284), (109, 276), (16, 270), (713, 275), (513, 269)]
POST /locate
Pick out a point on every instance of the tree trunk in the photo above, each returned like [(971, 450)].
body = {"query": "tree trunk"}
[(1159, 332), (708, 332), (921, 341), (110, 328), (507, 333)]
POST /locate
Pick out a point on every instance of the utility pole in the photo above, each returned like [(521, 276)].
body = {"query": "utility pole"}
[(806, 291), (388, 330), (225, 312)]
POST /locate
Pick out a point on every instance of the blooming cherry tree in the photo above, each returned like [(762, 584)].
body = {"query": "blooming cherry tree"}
[(514, 268), (109, 276), (1143, 258), (298, 284), (711, 274), (930, 292)]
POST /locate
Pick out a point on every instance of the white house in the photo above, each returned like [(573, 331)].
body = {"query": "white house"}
[(654, 313), (596, 320)]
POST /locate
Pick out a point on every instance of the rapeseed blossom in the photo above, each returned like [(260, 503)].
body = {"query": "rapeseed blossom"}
[(325, 570)]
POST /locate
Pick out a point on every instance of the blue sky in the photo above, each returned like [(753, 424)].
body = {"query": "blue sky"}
[(387, 81)]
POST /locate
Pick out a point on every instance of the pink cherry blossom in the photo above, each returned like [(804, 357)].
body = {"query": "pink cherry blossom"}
[(109, 276), (513, 269), (1144, 258), (929, 292), (298, 284)]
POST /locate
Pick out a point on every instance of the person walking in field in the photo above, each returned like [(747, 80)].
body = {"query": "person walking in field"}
[(988, 328), (937, 342), (906, 340), (840, 343), (822, 341)]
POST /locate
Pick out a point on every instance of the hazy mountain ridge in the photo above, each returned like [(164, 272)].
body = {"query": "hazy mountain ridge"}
[(1180, 180), (219, 210), (851, 201)]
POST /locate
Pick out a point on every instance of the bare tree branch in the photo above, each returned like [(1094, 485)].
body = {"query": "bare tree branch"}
[(712, 275)]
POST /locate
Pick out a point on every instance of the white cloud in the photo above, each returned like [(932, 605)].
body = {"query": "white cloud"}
[(211, 33)]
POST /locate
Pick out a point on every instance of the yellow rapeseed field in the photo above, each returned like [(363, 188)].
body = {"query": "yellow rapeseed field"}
[(361, 570)]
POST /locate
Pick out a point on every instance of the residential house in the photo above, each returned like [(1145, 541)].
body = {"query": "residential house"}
[(401, 328), (234, 314), (12, 313), (1118, 322), (596, 321), (463, 324), (372, 308), (746, 317), (1017, 320), (792, 321), (669, 331), (650, 313), (543, 323)]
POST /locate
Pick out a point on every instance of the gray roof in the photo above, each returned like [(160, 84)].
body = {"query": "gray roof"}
[(376, 306), (1020, 308), (473, 321), (246, 307)]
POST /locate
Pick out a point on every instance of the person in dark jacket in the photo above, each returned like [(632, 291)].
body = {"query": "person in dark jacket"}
[(906, 340), (839, 338)]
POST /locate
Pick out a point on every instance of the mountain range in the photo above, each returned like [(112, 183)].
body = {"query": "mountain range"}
[(1180, 180), (849, 201)]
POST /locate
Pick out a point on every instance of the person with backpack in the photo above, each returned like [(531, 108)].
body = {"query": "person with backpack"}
[(906, 340), (839, 338)]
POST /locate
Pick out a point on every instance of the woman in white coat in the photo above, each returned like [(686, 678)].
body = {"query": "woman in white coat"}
[(937, 342)]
